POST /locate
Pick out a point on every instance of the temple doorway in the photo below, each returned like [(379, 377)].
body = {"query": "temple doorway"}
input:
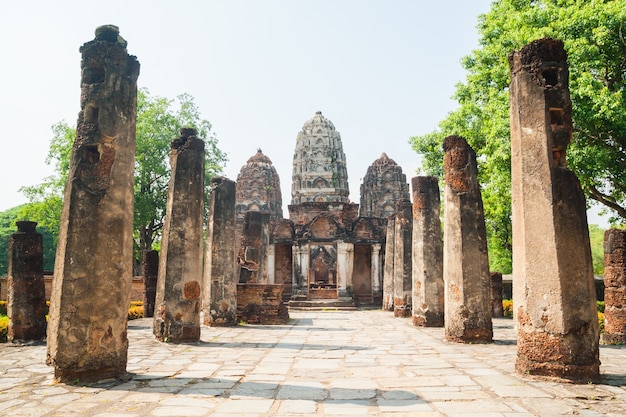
[(323, 272)]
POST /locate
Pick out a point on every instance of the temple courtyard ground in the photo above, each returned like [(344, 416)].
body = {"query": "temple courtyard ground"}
[(323, 363)]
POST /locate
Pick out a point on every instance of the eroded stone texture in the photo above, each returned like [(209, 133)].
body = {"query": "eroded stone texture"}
[(383, 185), (319, 164), (428, 288), (26, 306), (178, 301), (92, 278), (402, 262), (466, 263), (254, 250), (553, 288), (614, 287), (496, 295), (220, 275), (389, 266), (150, 266)]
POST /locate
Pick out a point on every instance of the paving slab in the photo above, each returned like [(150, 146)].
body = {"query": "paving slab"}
[(322, 363)]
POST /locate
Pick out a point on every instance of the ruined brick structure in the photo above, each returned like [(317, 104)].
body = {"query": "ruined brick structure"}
[(324, 251), (253, 255), (428, 287), (553, 288), (92, 276), (614, 287), (178, 300), (383, 185), (466, 263), (26, 305), (387, 299), (257, 189)]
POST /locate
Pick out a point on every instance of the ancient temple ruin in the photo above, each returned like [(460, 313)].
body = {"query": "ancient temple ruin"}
[(325, 251), (553, 284)]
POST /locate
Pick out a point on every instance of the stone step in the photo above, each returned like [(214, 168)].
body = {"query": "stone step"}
[(319, 305)]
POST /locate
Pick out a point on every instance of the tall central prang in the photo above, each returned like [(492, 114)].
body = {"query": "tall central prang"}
[(319, 164)]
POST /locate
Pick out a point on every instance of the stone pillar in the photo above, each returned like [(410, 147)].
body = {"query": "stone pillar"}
[(402, 263), (178, 300), (87, 329), (553, 287), (496, 295), (614, 287), (345, 266), (26, 290), (150, 266), (301, 261), (376, 275), (465, 259), (255, 241), (389, 266), (271, 264), (220, 276), (428, 288)]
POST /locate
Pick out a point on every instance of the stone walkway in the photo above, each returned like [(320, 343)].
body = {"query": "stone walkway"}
[(363, 363)]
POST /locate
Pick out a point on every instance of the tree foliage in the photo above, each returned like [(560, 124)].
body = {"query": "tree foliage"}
[(159, 121), (594, 34)]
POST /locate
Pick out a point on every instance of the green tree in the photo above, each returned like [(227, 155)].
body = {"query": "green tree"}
[(594, 36), (159, 121), (596, 237)]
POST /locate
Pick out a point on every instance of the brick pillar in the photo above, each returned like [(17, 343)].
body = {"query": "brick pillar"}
[(390, 241), (402, 262), (466, 264), (150, 266), (496, 295), (178, 301), (553, 287), (376, 273), (26, 290), (220, 277), (428, 289), (614, 287), (94, 261)]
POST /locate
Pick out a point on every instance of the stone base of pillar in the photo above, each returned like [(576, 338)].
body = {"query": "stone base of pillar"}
[(555, 356), (90, 375), (428, 319)]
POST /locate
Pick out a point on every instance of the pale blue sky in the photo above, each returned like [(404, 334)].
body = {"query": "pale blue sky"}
[(381, 71)]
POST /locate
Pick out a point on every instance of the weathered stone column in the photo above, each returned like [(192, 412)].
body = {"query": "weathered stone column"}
[(255, 241), (178, 301), (220, 266), (301, 261), (271, 263), (553, 288), (26, 290), (150, 266), (428, 288), (87, 329), (345, 265), (465, 259), (390, 241), (402, 263), (376, 275), (496, 295), (614, 287)]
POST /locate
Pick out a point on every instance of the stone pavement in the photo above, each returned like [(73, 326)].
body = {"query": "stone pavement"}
[(362, 363)]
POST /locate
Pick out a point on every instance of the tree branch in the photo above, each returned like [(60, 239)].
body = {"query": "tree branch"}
[(606, 200)]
